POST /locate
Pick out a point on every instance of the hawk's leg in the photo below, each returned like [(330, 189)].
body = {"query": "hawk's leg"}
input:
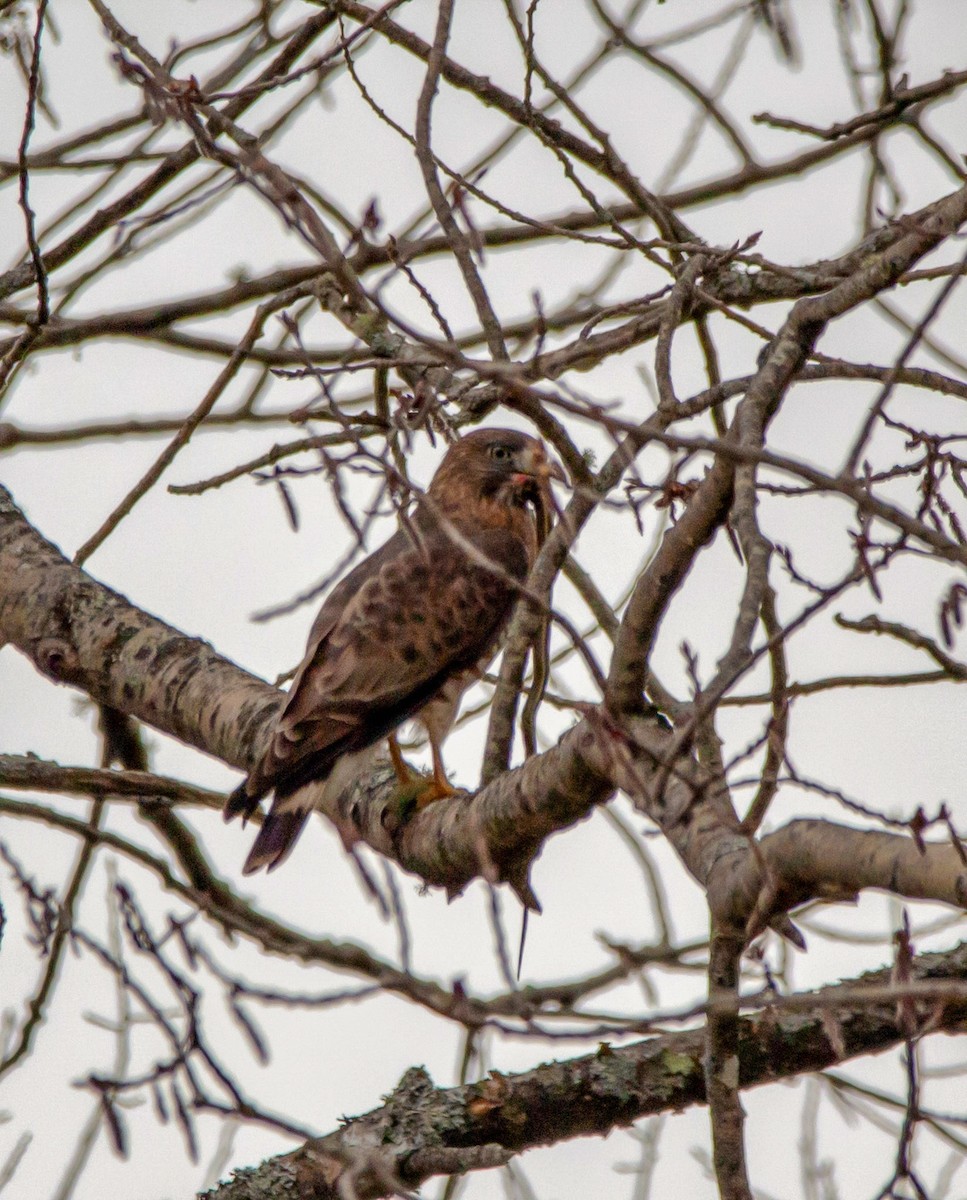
[(439, 787), (435, 788), (402, 768)]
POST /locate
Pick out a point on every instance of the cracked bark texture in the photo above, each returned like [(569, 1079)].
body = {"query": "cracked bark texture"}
[(423, 1131), (79, 632)]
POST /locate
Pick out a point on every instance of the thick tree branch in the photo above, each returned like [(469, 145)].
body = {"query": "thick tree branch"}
[(422, 1130), (79, 632)]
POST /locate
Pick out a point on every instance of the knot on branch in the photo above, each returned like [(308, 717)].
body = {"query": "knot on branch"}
[(57, 658), (413, 1090)]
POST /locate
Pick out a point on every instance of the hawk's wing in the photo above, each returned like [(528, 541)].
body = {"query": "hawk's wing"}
[(412, 616)]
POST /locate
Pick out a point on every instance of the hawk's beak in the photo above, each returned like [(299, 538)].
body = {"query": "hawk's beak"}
[(554, 470), (535, 464)]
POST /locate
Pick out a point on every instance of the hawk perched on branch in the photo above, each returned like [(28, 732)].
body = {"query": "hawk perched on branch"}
[(405, 633)]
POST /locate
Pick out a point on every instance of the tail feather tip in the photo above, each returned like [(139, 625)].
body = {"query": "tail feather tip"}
[(240, 803), (275, 840)]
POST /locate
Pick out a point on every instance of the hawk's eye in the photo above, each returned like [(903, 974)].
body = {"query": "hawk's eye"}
[(500, 453)]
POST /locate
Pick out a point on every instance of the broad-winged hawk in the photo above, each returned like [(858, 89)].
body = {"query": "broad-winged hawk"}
[(405, 632)]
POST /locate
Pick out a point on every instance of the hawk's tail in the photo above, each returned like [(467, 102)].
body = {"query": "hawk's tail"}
[(278, 835), (282, 825), (279, 831), (240, 802)]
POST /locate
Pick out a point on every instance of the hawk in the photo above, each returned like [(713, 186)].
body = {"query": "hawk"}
[(405, 633)]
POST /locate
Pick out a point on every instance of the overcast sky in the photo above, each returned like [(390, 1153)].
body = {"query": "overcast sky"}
[(207, 564)]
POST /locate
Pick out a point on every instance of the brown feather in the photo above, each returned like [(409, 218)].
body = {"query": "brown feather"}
[(406, 631)]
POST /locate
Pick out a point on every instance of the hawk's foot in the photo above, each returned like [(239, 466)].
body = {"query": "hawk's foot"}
[(436, 788)]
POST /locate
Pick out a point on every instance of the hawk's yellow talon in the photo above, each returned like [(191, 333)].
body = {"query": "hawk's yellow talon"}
[(404, 773), (434, 791)]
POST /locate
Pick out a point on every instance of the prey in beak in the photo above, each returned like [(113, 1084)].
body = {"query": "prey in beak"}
[(532, 480), (536, 466)]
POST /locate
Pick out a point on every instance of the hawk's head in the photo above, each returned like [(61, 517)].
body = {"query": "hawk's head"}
[(501, 465)]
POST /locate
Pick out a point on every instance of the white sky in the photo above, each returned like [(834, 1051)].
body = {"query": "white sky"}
[(206, 564)]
